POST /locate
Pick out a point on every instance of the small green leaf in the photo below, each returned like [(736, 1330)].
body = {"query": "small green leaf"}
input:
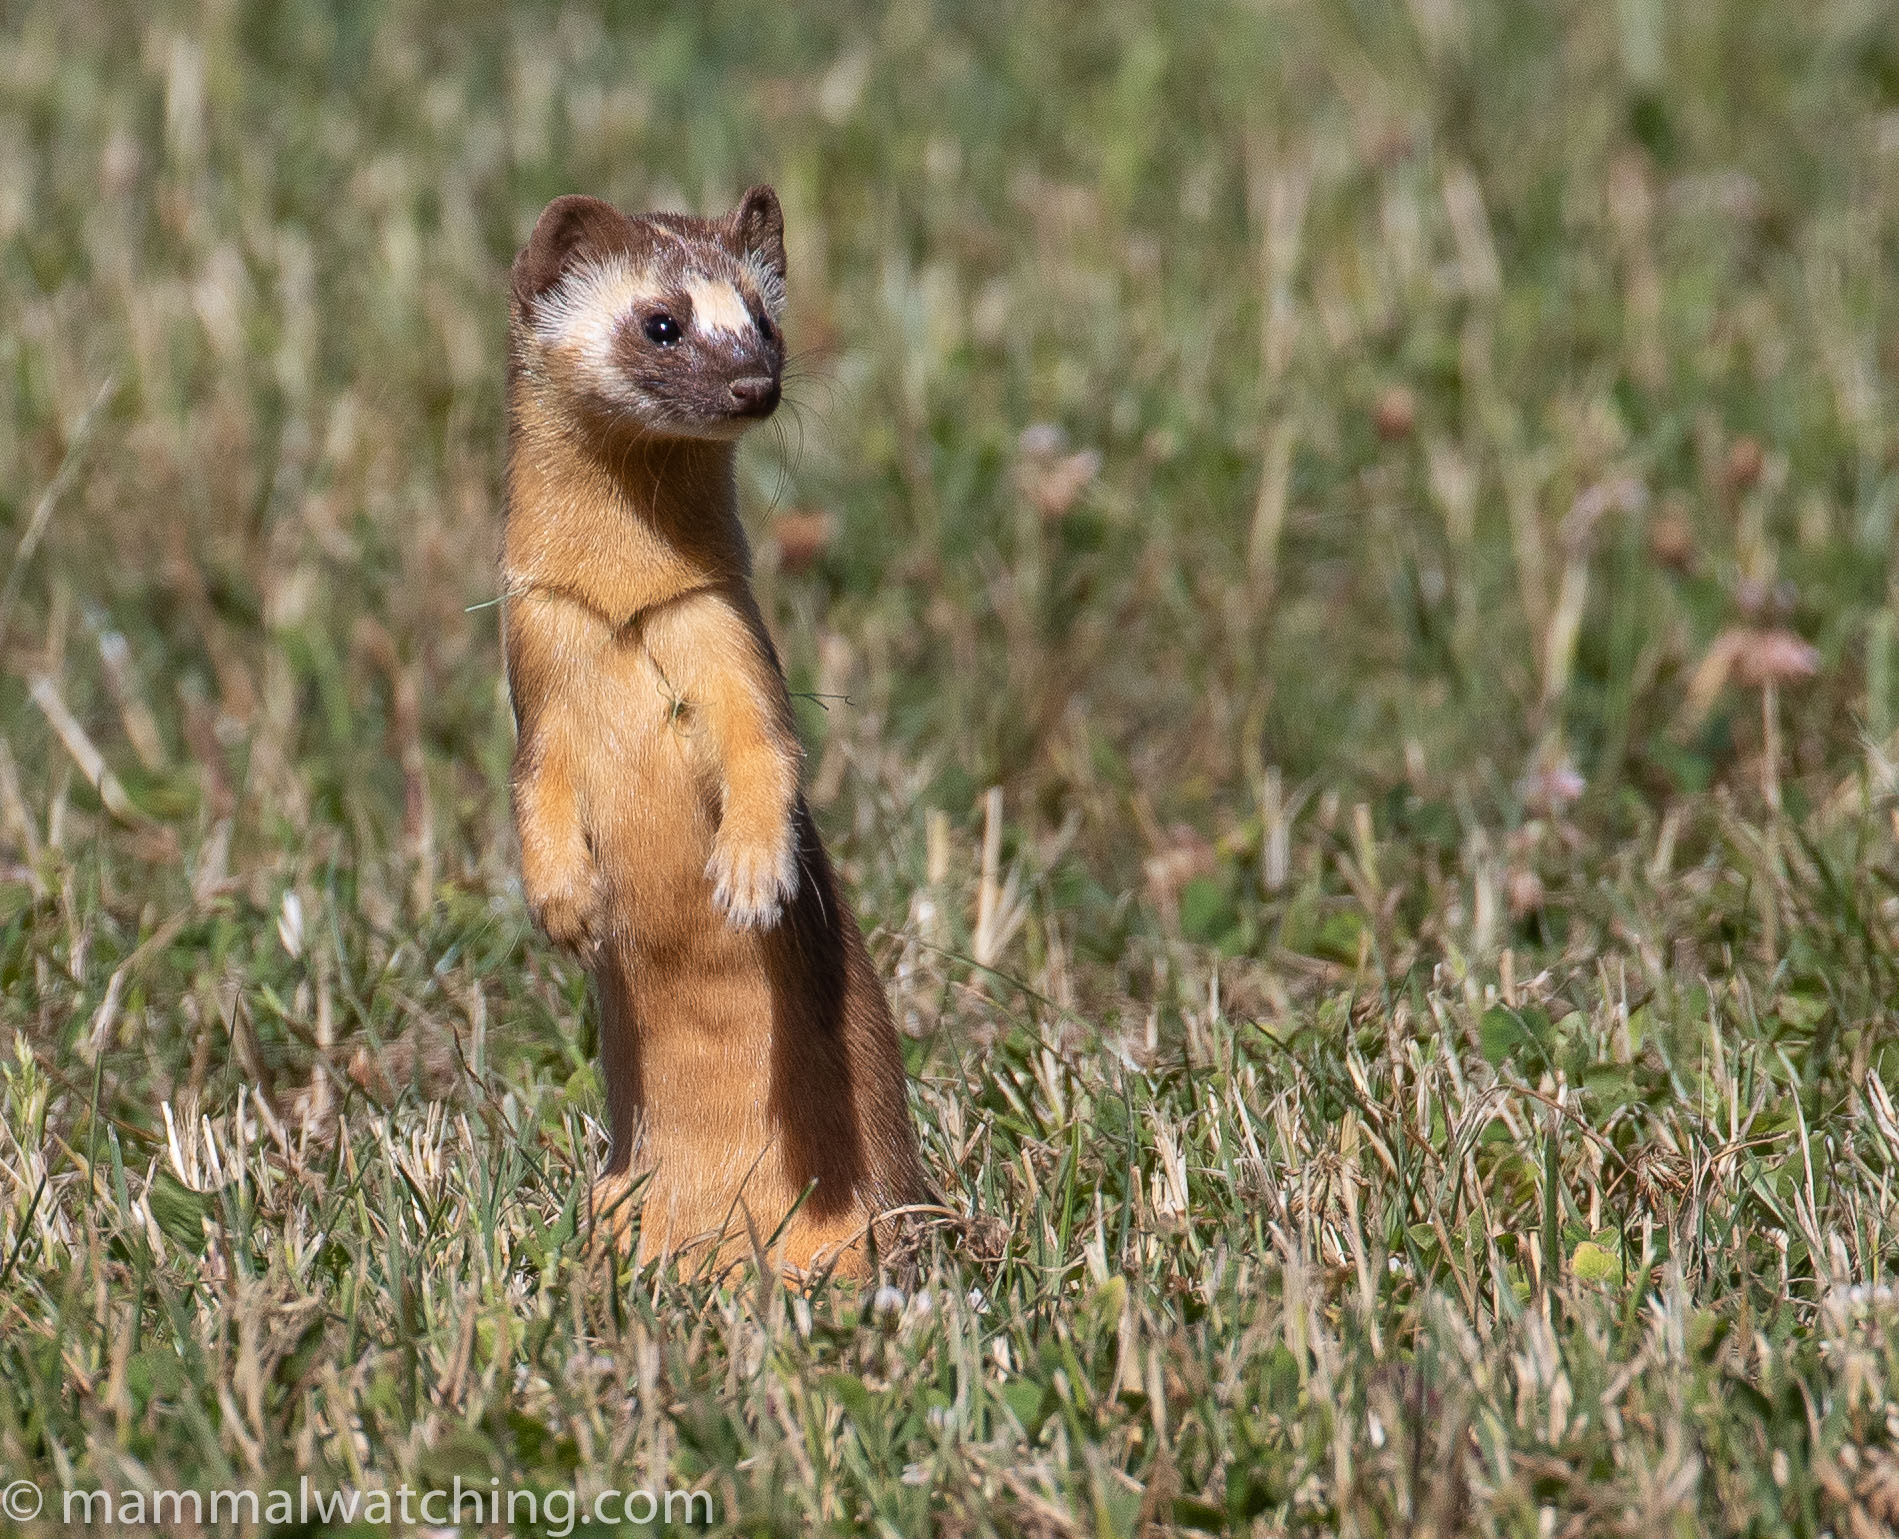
[(858, 1402), (1498, 1033), (1192, 1512), (1613, 1085), (1106, 1305), (154, 1371), (1338, 938), (1205, 910), (179, 1211), (1592, 1263), (1025, 1400)]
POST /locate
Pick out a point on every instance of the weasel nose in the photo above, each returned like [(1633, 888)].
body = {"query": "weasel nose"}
[(756, 396)]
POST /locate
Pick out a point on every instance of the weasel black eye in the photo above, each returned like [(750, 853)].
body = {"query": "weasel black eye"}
[(763, 322), (662, 329)]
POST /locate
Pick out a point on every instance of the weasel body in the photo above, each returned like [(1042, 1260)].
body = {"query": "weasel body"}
[(753, 1077)]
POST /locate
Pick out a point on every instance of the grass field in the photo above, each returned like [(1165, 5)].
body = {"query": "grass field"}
[(1339, 564)]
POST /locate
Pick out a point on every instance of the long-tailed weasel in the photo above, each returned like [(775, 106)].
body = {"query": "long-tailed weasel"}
[(752, 1073)]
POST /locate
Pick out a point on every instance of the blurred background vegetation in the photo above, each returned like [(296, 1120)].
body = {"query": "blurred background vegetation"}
[(1409, 392), (1320, 546)]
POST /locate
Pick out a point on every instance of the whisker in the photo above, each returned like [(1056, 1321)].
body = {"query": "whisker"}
[(829, 386), (793, 452), (778, 492)]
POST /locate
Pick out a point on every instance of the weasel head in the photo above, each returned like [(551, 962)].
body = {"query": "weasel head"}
[(661, 325)]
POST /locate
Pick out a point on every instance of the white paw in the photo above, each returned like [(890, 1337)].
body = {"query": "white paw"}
[(752, 882)]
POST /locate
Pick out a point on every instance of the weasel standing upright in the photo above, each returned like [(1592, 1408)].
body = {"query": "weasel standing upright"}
[(745, 1041)]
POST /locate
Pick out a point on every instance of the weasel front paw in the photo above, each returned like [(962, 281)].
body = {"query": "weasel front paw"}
[(752, 880), (571, 913)]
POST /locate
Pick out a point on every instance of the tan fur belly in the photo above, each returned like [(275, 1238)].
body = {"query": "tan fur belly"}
[(700, 991)]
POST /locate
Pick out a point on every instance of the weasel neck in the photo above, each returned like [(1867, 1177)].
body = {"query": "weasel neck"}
[(621, 527)]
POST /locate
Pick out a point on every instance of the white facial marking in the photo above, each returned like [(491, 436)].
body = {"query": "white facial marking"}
[(586, 307), (771, 288), (582, 314), (717, 306)]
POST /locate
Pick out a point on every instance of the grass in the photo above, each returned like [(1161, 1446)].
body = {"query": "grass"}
[(1339, 565)]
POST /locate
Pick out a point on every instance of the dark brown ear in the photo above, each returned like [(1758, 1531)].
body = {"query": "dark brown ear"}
[(758, 229), (567, 227)]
